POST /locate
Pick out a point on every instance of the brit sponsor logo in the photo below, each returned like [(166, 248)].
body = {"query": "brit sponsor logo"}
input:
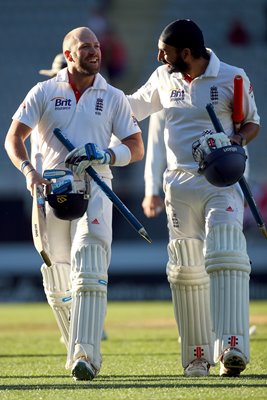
[(177, 95), (61, 103)]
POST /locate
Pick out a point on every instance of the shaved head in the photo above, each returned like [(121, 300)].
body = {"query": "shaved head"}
[(82, 34), (82, 51)]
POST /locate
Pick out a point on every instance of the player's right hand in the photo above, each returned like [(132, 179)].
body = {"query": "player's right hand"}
[(208, 142), (34, 178)]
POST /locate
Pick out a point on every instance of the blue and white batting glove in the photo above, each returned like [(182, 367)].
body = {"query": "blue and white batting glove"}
[(97, 156), (82, 157)]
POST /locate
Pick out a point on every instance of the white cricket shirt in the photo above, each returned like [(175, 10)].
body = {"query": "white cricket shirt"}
[(100, 111), (184, 102)]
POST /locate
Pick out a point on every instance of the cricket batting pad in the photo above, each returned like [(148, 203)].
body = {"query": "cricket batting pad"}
[(89, 283), (189, 284), (57, 286), (228, 266)]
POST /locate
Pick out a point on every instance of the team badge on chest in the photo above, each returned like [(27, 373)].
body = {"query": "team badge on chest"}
[(99, 106), (214, 95)]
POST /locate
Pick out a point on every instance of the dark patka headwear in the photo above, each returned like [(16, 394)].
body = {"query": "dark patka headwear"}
[(182, 33)]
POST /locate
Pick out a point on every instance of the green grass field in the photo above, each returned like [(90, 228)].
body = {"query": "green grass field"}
[(141, 358)]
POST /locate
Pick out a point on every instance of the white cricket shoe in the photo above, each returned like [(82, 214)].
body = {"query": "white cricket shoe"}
[(232, 362), (83, 370), (198, 367)]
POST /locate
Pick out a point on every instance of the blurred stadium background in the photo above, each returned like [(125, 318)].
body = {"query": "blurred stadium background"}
[(32, 33)]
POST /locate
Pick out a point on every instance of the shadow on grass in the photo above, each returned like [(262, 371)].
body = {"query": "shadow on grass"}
[(109, 382), (103, 353), (30, 355)]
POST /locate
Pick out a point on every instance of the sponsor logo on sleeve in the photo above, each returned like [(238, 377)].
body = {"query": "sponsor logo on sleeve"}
[(134, 120), (250, 91)]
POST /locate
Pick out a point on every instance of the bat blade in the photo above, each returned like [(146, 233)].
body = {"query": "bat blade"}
[(39, 233)]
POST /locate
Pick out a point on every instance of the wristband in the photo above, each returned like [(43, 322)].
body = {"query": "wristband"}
[(123, 155), (32, 169), (24, 164), (243, 140)]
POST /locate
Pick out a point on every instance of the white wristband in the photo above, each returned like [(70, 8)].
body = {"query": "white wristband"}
[(122, 155)]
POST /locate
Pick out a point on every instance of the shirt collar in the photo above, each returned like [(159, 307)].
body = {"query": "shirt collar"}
[(99, 82), (212, 69)]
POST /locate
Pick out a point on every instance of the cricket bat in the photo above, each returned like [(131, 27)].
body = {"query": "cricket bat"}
[(39, 233), (39, 224)]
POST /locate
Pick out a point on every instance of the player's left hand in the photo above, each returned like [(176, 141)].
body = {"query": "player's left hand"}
[(152, 206), (82, 157)]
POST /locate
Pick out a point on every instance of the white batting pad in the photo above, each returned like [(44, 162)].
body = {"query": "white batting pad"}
[(57, 286), (89, 280), (228, 265), (191, 299)]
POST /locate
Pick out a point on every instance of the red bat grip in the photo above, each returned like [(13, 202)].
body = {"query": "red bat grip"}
[(238, 115)]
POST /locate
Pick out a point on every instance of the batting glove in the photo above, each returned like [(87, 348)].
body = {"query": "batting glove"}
[(208, 142), (82, 157)]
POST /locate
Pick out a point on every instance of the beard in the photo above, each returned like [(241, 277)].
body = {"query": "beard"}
[(89, 69), (178, 66)]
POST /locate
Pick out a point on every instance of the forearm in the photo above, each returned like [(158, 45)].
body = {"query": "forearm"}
[(249, 131), (18, 154), (15, 144), (136, 146)]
